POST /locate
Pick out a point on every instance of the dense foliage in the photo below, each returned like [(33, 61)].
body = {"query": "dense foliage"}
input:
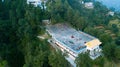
[(20, 24)]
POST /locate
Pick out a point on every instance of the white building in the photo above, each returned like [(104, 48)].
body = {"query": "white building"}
[(73, 42), (89, 5), (111, 13), (37, 2), (34, 2)]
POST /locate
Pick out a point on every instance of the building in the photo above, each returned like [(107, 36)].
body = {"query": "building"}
[(89, 5), (111, 13), (73, 42), (81, 2), (46, 22), (34, 2), (37, 2)]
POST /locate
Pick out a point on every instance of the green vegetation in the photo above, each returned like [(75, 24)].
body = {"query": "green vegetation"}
[(56, 59), (83, 60), (20, 24)]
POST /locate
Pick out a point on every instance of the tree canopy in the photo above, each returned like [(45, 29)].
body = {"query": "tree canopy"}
[(20, 24)]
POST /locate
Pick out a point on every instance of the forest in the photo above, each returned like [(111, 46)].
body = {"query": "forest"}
[(20, 24)]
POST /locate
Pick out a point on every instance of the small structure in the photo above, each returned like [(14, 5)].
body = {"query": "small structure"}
[(111, 13), (44, 36), (81, 2), (73, 42), (46, 22), (34, 2), (89, 5), (37, 3), (41, 37)]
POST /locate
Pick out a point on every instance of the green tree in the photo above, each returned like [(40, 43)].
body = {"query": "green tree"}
[(109, 51), (105, 38), (99, 61), (36, 54), (83, 60), (117, 54), (69, 15), (117, 41), (3, 63), (56, 59)]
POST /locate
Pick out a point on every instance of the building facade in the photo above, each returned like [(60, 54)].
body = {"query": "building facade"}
[(73, 42)]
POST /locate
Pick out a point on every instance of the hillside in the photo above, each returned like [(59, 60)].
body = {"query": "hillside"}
[(21, 23)]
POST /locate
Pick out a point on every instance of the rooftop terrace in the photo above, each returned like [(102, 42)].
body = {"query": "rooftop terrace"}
[(69, 37)]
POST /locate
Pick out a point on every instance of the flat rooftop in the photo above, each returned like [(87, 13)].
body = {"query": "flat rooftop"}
[(69, 37)]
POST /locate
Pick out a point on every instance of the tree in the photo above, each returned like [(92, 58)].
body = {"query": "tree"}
[(36, 54), (69, 15), (115, 28), (105, 38), (92, 31), (99, 61), (109, 51), (117, 41), (83, 60), (117, 54), (3, 63), (56, 59)]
